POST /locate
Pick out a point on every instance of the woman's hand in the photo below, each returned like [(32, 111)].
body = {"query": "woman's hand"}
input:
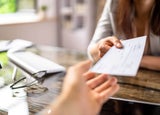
[(105, 44), (102, 46)]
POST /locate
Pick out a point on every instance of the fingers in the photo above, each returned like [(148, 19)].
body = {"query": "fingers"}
[(105, 44), (80, 68), (109, 92), (108, 83), (105, 86), (115, 41), (75, 73), (104, 48), (89, 75), (83, 66), (107, 89), (95, 82)]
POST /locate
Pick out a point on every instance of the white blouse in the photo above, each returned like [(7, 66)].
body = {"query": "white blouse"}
[(106, 27)]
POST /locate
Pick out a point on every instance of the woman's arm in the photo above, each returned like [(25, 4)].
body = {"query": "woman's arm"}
[(151, 62), (103, 29)]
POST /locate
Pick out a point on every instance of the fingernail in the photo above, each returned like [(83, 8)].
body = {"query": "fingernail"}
[(119, 45)]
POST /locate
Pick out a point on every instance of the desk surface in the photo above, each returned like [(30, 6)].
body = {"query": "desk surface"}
[(144, 88)]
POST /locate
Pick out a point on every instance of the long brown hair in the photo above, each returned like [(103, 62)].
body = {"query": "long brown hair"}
[(155, 19), (125, 16)]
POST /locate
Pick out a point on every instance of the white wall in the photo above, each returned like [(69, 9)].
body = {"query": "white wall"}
[(40, 32), (51, 11)]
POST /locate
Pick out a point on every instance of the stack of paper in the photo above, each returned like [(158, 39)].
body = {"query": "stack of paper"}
[(14, 44)]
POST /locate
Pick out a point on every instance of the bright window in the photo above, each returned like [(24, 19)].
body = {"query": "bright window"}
[(13, 6), (7, 6), (18, 11)]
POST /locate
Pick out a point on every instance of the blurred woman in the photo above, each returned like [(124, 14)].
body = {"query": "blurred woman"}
[(125, 19)]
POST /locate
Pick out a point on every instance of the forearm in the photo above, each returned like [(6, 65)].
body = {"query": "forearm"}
[(151, 62), (60, 106), (54, 108)]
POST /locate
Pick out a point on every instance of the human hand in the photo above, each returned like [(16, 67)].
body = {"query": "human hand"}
[(82, 92), (105, 44)]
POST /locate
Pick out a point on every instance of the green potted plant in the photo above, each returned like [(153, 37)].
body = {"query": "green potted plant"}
[(43, 10)]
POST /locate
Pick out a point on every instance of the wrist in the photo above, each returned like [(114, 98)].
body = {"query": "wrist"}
[(54, 108)]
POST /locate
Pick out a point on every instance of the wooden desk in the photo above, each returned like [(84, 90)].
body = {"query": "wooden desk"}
[(144, 88)]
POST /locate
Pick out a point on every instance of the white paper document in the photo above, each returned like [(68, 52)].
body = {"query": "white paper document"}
[(124, 61), (14, 101), (14, 44)]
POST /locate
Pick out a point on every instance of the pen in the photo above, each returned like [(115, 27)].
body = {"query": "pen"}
[(14, 73), (0, 66)]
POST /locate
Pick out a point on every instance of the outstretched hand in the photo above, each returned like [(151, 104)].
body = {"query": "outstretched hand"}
[(105, 44), (83, 92)]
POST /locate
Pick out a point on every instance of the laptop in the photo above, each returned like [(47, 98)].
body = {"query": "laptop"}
[(34, 63)]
